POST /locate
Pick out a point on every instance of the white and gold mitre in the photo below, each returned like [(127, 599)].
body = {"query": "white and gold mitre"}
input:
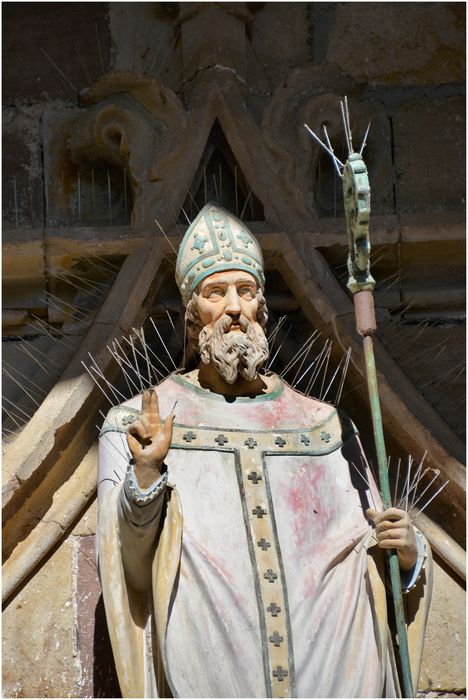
[(215, 241)]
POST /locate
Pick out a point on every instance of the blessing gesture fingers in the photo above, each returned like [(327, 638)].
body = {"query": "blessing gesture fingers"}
[(149, 440), (394, 530)]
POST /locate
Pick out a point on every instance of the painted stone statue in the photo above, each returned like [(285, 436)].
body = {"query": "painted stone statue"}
[(239, 555)]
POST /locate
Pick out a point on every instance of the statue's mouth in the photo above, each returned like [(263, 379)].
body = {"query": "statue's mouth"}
[(235, 326)]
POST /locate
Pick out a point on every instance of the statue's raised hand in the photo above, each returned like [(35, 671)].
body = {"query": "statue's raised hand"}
[(149, 440)]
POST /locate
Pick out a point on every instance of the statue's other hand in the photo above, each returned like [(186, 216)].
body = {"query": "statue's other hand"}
[(394, 530), (149, 440)]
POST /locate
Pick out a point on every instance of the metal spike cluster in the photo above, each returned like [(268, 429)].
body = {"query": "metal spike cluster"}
[(339, 166), (90, 294)]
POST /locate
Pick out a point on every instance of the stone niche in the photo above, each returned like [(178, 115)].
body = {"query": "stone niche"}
[(152, 100)]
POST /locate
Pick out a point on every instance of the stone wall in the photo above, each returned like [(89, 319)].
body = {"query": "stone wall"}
[(184, 81)]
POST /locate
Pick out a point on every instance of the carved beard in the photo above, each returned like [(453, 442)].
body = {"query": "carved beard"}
[(234, 352)]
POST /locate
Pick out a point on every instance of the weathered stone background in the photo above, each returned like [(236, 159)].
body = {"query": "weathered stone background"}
[(257, 69)]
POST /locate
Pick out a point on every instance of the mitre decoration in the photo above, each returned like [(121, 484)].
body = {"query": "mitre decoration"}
[(216, 240)]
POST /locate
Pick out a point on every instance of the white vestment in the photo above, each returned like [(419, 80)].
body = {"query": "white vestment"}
[(255, 572)]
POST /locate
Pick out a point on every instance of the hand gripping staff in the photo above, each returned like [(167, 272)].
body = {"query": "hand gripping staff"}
[(356, 196)]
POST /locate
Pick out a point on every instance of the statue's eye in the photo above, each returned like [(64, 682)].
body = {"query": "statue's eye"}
[(215, 292), (247, 292)]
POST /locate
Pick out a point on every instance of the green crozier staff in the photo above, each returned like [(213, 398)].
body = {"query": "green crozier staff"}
[(356, 196)]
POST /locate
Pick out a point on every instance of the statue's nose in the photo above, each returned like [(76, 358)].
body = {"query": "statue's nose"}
[(233, 307)]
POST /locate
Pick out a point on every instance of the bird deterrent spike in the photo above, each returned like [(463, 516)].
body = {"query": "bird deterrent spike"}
[(121, 360), (396, 481), (216, 188), (101, 268), (78, 309), (185, 343), (117, 359), (125, 190), (66, 278), (235, 190), (125, 457), (43, 326), (423, 353), (136, 368), (104, 261), (303, 350), (407, 482), (186, 215), (331, 149), (333, 377), (109, 196), (364, 141), (313, 338), (42, 354), (34, 359), (15, 196), (414, 489), (18, 408), (174, 328), (437, 474), (61, 310), (298, 354), (164, 344), (319, 141), (323, 356), (123, 440), (348, 123), (345, 126), (124, 358), (97, 384), (166, 237), (155, 369), (11, 416), (271, 337), (84, 67), (416, 479), (319, 359), (194, 202), (59, 71), (273, 358), (98, 371), (169, 53), (99, 47), (325, 372), (23, 376), (287, 367), (245, 204), (448, 372), (141, 337), (366, 482), (135, 365), (113, 389), (430, 500), (343, 377), (271, 345), (94, 284), (78, 182)]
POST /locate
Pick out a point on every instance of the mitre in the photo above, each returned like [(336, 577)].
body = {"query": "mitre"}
[(216, 240)]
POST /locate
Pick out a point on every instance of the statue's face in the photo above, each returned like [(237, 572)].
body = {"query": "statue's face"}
[(231, 338), (231, 293)]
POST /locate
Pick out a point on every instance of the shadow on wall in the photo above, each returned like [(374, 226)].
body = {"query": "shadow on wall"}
[(105, 683)]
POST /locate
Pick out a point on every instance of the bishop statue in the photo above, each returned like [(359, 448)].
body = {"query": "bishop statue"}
[(242, 552)]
